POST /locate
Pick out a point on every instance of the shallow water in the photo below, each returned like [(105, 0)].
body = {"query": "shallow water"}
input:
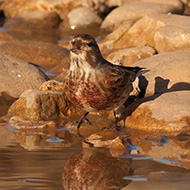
[(34, 161)]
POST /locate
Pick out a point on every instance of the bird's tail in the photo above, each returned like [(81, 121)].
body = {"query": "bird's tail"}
[(138, 71)]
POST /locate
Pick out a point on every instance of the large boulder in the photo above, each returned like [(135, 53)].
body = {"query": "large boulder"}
[(16, 76), (136, 10), (167, 113), (50, 102), (128, 56), (167, 72), (47, 55), (83, 16), (161, 31)]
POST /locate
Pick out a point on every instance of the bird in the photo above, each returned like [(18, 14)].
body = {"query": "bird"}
[(93, 83)]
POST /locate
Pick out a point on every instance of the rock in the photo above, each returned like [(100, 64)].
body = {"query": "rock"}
[(18, 76), (48, 103), (52, 85), (114, 3), (167, 113), (12, 8), (44, 105), (102, 138), (40, 135), (172, 38), (4, 37), (163, 32), (168, 72), (136, 10), (82, 16), (47, 55), (18, 124), (128, 56), (111, 39)]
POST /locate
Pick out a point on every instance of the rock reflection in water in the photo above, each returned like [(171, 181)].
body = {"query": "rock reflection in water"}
[(95, 169), (40, 135)]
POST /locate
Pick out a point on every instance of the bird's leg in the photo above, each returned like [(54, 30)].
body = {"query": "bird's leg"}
[(115, 125), (82, 119)]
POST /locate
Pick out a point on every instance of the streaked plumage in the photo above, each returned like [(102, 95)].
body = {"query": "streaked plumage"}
[(93, 83)]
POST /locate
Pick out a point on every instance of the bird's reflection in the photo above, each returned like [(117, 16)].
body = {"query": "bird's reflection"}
[(95, 169)]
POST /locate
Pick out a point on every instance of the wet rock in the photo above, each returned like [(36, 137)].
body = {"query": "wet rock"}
[(95, 169), (168, 72), (40, 135), (102, 138), (173, 150), (163, 32), (18, 76), (136, 10), (167, 113), (82, 16), (26, 127), (128, 56), (46, 55), (49, 104)]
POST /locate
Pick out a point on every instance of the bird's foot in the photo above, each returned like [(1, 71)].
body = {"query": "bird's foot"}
[(83, 139)]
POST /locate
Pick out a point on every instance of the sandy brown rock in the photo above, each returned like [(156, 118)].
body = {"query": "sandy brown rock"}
[(47, 55), (40, 135), (172, 38), (18, 76), (135, 11), (161, 31), (168, 72), (4, 37), (12, 8), (111, 39), (168, 113), (83, 16), (44, 105), (128, 56), (175, 3)]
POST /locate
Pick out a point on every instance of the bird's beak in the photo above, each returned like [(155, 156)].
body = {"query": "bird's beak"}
[(76, 45)]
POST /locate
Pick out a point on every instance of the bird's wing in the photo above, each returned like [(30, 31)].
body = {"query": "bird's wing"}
[(116, 76)]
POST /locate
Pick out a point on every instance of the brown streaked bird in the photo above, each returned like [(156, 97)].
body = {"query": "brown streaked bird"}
[(93, 83)]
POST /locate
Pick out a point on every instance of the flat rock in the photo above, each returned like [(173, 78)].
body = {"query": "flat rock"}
[(136, 10), (167, 113), (161, 31), (46, 55), (168, 72), (17, 76), (83, 16)]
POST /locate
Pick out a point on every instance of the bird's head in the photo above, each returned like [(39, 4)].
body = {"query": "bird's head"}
[(85, 47)]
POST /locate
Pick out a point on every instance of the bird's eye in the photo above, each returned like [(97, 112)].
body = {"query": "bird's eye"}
[(90, 44)]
